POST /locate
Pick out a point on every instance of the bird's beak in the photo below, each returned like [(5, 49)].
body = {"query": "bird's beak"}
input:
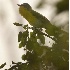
[(18, 5)]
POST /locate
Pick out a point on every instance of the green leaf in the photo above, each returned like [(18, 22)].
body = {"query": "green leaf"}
[(23, 38), (19, 36), (23, 42), (25, 34), (33, 36), (29, 45), (13, 62), (17, 24), (42, 38), (25, 26), (20, 45), (24, 57), (2, 65)]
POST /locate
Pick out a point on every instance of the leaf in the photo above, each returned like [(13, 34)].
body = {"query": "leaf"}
[(25, 26), (2, 65), (19, 36), (29, 45), (23, 38), (20, 45), (33, 36), (13, 62), (23, 42), (17, 24), (25, 34), (42, 38), (24, 57)]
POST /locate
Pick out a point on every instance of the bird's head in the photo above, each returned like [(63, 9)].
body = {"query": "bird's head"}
[(26, 5)]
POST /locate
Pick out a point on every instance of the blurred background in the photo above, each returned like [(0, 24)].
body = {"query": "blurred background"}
[(56, 11)]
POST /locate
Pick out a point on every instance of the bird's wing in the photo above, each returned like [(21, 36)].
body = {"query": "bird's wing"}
[(40, 17)]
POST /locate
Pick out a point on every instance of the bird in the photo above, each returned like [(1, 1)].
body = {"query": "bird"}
[(34, 18), (37, 20)]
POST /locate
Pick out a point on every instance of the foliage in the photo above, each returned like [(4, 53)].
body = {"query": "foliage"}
[(38, 56), (2, 65)]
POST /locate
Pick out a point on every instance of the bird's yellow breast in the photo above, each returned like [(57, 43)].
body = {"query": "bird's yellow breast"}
[(27, 15)]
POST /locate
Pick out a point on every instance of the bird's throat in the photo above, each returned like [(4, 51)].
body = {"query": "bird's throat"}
[(27, 15)]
